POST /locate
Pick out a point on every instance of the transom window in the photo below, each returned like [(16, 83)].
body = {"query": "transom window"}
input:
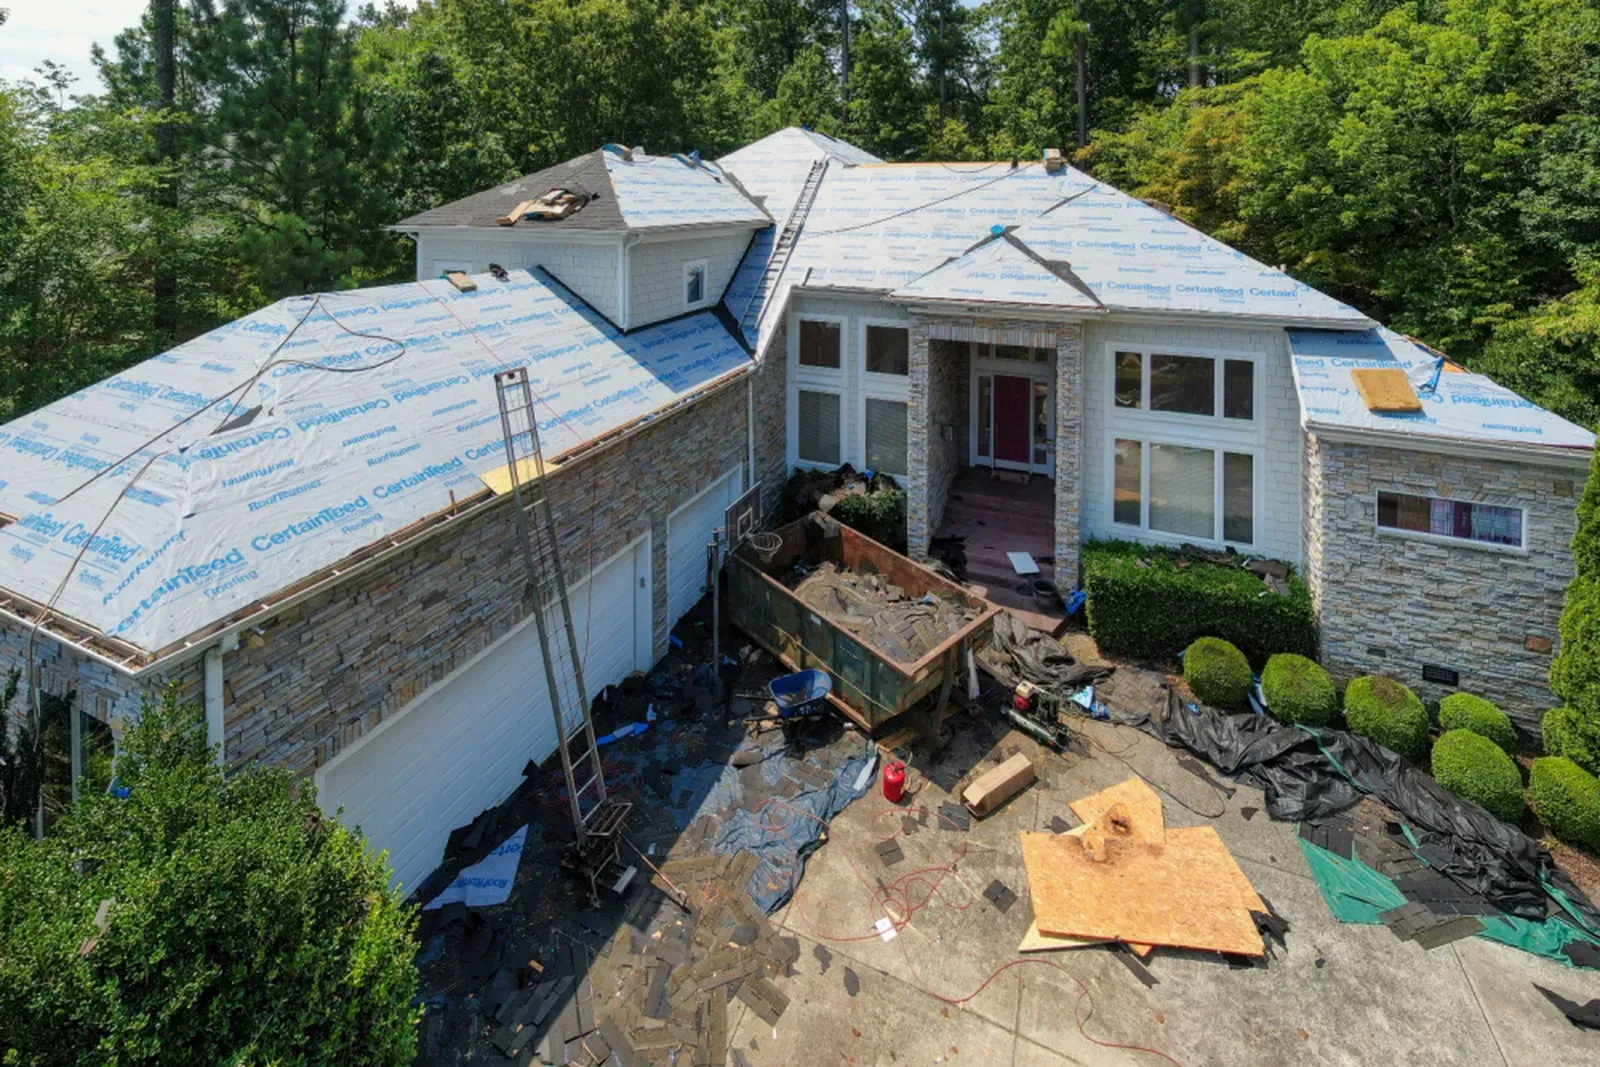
[(1186, 491), (1457, 520), (1204, 386), (819, 344), (888, 350)]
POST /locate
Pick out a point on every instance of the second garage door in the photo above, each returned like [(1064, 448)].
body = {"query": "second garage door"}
[(689, 530), (460, 747)]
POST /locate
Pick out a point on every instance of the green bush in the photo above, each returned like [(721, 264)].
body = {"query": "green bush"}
[(1218, 673), (1570, 733), (1298, 690), (1387, 712), (1567, 799), (1575, 673), (880, 515), (1463, 711), (238, 925), (1474, 768), (1143, 604)]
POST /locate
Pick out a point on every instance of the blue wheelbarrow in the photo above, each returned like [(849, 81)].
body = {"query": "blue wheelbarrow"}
[(802, 694)]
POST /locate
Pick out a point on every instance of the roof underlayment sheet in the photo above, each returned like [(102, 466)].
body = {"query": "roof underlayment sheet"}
[(775, 168), (377, 409), (655, 191), (1003, 271), (1456, 404), (880, 227)]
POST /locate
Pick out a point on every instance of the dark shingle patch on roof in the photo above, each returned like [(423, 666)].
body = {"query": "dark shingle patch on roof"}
[(584, 174)]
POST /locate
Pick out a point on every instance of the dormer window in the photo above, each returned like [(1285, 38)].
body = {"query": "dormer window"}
[(694, 284)]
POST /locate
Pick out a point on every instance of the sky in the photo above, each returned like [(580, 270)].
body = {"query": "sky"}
[(62, 30)]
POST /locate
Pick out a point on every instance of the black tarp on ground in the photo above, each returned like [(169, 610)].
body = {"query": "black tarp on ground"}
[(1039, 658), (1307, 773)]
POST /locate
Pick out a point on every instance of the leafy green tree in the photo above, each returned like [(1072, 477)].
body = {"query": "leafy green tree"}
[(202, 919), (885, 107)]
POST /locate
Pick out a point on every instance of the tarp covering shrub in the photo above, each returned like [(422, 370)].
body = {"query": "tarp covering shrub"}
[(1463, 711), (1475, 768), (1218, 673), (1298, 690), (1151, 603), (1387, 712), (201, 920), (1567, 799)]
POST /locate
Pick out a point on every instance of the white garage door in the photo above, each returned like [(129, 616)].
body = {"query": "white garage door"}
[(688, 532), (460, 747)]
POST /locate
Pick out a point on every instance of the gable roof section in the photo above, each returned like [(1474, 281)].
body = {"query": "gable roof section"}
[(1457, 405), (649, 192), (880, 227), (1002, 270), (377, 411), (774, 169)]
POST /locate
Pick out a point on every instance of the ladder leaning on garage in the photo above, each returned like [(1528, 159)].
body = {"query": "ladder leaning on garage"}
[(597, 817)]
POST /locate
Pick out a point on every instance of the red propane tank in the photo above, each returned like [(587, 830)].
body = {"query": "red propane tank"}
[(894, 781)]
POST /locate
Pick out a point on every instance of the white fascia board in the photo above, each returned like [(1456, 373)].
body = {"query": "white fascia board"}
[(1577, 458), (522, 234), (656, 234), (1209, 318), (992, 309)]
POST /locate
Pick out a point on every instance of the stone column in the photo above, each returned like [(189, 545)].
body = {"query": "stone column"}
[(1069, 454), (919, 417)]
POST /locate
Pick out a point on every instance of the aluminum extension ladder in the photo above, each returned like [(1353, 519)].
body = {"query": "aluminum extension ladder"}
[(787, 238), (597, 817)]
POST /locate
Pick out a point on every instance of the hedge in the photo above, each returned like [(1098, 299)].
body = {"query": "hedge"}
[(1567, 799), (1143, 605), (1463, 711), (1575, 673), (1474, 768), (1218, 673), (1570, 733), (880, 515), (1298, 690), (1385, 711)]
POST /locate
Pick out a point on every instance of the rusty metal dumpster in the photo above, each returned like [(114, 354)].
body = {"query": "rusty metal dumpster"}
[(868, 684)]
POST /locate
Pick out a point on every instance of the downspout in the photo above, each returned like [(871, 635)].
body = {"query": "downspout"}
[(215, 725)]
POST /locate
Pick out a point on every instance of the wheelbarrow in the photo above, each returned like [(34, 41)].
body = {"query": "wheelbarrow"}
[(802, 694)]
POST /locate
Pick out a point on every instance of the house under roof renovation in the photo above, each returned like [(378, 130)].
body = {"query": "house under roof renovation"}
[(288, 517)]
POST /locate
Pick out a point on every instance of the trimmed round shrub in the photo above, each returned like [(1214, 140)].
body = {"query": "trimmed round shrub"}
[(1218, 673), (1298, 690), (1475, 768), (1463, 711), (1567, 798), (1385, 711), (1568, 732)]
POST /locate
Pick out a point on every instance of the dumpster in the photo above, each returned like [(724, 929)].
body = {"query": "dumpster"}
[(869, 684)]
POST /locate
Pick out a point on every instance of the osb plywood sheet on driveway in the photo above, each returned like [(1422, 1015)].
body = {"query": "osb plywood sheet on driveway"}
[(1184, 893), (1142, 803)]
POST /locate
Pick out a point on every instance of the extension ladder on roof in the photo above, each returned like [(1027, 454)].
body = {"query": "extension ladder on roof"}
[(785, 245), (597, 818)]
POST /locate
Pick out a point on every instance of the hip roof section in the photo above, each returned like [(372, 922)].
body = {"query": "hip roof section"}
[(187, 489)]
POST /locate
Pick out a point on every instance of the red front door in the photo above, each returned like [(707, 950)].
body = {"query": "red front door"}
[(1013, 426)]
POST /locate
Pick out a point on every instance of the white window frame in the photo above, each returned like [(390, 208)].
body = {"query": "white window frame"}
[(819, 380), (705, 284), (1144, 412), (1144, 531), (1446, 539), (982, 363), (875, 379)]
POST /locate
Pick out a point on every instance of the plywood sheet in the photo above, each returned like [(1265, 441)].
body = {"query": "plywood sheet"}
[(1142, 804), (1185, 893), (1385, 389), (1034, 941), (499, 479)]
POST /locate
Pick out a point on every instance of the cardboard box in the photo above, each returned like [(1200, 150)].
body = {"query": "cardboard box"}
[(995, 787)]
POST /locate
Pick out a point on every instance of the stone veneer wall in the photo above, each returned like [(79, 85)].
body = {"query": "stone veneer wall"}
[(1390, 603), (936, 418), (1069, 455), (772, 419), (323, 673), (918, 529)]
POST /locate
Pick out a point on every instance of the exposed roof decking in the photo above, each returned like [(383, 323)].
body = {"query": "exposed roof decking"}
[(332, 463)]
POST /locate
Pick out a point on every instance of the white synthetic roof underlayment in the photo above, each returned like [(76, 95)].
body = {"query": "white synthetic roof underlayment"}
[(1457, 405), (880, 227), (666, 191), (775, 167), (338, 458), (1002, 270)]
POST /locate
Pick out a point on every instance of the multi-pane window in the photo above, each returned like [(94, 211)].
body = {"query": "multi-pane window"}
[(886, 436), (818, 440), (819, 344), (1460, 520), (1183, 490), (1184, 385), (888, 350)]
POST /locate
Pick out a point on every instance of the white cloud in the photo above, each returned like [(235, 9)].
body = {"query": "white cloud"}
[(63, 31)]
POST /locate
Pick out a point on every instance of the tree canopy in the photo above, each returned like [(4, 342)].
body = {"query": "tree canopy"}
[(1435, 163)]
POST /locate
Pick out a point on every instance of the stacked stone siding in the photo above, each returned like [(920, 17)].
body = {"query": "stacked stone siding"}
[(772, 420), (1389, 603), (1069, 455), (919, 525), (317, 677)]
